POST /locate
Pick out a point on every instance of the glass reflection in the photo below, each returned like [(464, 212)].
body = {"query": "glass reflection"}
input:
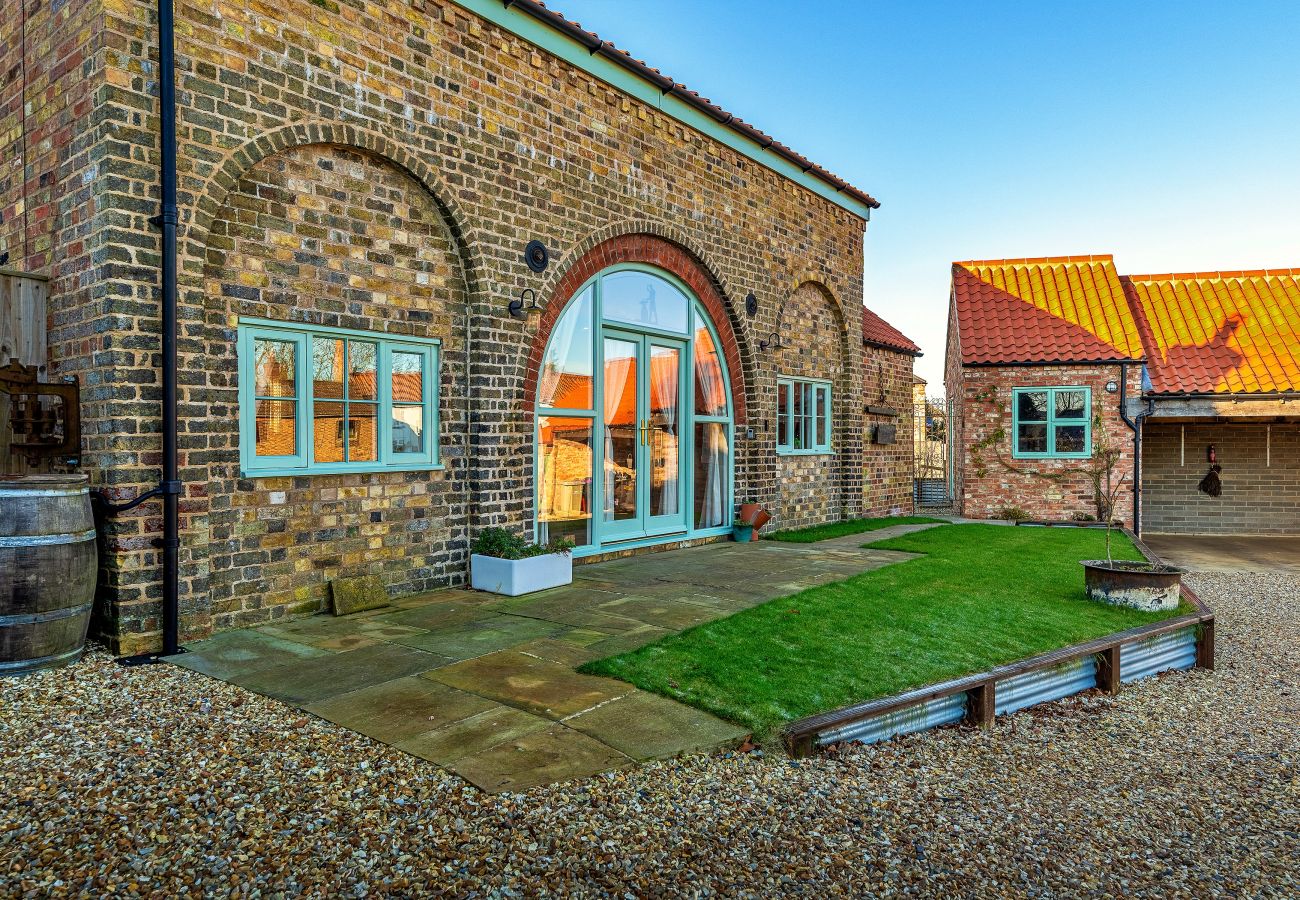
[(621, 431), (642, 299), (564, 479), (567, 368)]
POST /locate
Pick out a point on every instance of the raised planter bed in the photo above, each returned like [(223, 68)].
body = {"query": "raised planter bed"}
[(1183, 642), (513, 577)]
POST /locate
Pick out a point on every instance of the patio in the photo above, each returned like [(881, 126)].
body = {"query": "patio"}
[(485, 686)]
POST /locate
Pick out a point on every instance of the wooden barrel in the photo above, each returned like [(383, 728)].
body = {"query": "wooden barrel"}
[(48, 561)]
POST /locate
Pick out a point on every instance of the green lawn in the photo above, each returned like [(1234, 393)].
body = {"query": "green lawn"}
[(982, 595), (840, 529)]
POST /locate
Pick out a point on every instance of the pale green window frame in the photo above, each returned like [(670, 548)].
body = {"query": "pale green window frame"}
[(1051, 422), (810, 431), (301, 461)]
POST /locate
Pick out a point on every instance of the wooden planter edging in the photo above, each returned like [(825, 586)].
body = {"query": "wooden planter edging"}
[(1183, 642)]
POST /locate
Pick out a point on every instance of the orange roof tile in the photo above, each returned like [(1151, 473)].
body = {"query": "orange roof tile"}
[(1220, 332), (878, 332), (1043, 310)]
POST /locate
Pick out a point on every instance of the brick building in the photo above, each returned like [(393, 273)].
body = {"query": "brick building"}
[(1051, 360), (357, 183), (888, 438)]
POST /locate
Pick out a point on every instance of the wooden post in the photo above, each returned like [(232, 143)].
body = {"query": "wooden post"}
[(981, 704), (1108, 670), (1205, 646)]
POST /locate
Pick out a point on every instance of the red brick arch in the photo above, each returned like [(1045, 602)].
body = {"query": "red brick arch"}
[(651, 250)]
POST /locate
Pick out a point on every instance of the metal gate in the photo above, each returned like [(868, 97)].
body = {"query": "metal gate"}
[(930, 464)]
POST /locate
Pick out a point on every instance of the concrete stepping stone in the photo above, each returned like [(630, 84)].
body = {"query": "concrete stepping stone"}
[(400, 709), (647, 726)]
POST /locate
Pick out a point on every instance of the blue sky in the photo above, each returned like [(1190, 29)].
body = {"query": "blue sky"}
[(1167, 133)]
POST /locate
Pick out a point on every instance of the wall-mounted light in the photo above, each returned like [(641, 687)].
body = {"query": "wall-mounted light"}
[(1112, 387), (751, 305), (522, 308), (773, 342)]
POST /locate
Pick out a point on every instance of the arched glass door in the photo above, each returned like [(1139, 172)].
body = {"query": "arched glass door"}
[(634, 419)]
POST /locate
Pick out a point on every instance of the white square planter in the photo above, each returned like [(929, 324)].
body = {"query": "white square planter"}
[(513, 577)]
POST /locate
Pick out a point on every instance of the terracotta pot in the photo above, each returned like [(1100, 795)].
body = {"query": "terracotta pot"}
[(761, 518), (747, 513)]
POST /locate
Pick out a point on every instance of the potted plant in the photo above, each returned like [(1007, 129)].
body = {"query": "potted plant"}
[(1135, 583), (752, 517), (504, 563)]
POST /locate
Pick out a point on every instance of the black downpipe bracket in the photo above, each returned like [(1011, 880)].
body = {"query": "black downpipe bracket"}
[(169, 485)]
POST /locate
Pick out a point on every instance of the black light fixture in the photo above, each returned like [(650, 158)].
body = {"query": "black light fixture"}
[(521, 308), (751, 305), (772, 342), (537, 256)]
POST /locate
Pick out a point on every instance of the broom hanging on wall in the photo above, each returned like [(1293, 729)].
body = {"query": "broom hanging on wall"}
[(1211, 484)]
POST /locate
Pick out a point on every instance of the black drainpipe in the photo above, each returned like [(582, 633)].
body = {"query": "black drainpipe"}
[(169, 485), (1135, 425)]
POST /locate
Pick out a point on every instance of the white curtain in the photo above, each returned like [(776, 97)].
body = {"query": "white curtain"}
[(714, 438), (708, 377), (665, 376), (616, 372)]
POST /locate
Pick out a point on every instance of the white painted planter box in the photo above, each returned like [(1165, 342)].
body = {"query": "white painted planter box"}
[(513, 577)]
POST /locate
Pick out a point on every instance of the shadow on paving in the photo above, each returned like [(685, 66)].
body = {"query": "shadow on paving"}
[(485, 686)]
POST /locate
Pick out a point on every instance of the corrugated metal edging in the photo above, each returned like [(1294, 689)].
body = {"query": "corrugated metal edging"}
[(921, 717), (1143, 658), (1042, 685)]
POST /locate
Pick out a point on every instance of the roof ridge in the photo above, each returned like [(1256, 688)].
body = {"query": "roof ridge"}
[(1039, 260), (1217, 276)]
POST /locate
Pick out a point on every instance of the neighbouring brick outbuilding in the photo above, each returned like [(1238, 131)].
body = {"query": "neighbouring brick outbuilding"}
[(1049, 357), (888, 438), (357, 184)]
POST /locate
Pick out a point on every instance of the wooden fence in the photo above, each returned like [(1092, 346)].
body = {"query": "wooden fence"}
[(22, 337)]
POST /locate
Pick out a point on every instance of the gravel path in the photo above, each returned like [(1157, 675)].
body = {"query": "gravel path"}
[(163, 782)]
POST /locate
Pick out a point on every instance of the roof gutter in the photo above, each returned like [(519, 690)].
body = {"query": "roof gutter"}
[(669, 87), (1235, 397), (1135, 425), (892, 349)]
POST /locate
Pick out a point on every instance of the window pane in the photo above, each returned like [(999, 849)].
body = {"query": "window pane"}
[(408, 429), (362, 371), (796, 413), (1031, 406), (567, 368), (327, 431), (1070, 405), (363, 432), (1069, 439), (408, 377), (564, 479), (622, 429), (276, 431), (1032, 439), (327, 368), (663, 433), (823, 417), (644, 299), (783, 415), (710, 474), (710, 390), (273, 368)]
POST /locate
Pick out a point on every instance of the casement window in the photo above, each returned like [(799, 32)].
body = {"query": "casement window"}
[(1051, 423), (803, 416), (317, 400)]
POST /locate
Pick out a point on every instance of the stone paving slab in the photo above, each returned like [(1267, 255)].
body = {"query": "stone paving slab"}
[(538, 758), (473, 734), (526, 682), (400, 709), (233, 653), (647, 726), (304, 681), (477, 638)]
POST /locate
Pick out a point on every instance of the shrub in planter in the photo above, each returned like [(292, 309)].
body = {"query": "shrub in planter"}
[(505, 563)]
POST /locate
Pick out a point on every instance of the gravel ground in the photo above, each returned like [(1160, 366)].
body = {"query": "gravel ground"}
[(162, 782)]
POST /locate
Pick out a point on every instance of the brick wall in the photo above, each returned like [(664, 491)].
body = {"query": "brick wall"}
[(1260, 477), (888, 468), (1055, 489), (482, 142)]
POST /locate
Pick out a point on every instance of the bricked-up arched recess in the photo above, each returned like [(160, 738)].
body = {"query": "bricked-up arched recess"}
[(813, 333), (652, 250), (336, 236)]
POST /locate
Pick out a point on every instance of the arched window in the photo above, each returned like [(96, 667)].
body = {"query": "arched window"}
[(634, 416)]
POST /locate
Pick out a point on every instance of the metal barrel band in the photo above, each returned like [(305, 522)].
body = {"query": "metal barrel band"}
[(45, 540), (52, 615)]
